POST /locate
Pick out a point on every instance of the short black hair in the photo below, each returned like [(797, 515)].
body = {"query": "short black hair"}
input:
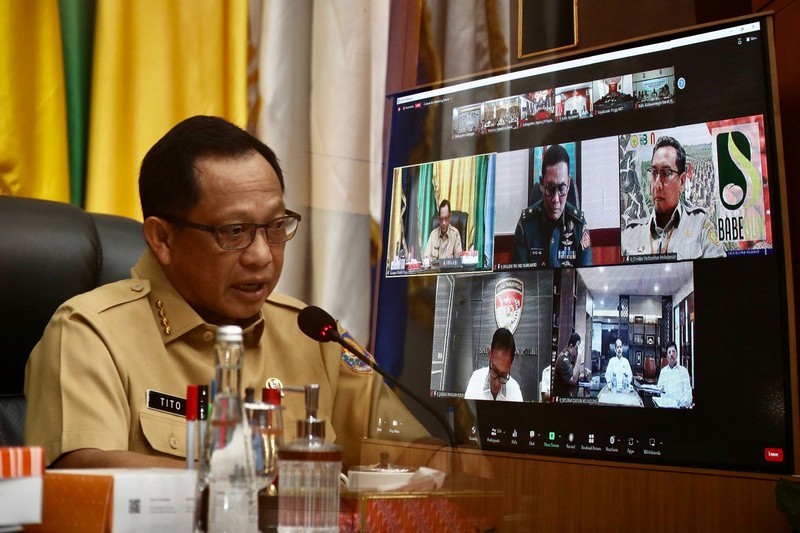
[(672, 344), (574, 339), (444, 203), (168, 183), (680, 153), (554, 155), (504, 340)]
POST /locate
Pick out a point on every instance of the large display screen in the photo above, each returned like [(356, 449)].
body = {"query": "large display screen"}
[(616, 216)]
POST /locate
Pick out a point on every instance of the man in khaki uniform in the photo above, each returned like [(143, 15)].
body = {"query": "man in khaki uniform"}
[(444, 241), (674, 227), (104, 383)]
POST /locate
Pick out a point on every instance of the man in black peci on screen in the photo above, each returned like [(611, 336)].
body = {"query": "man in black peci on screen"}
[(444, 241), (216, 227), (569, 371)]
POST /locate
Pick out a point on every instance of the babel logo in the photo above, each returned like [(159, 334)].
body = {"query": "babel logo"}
[(508, 298), (737, 175)]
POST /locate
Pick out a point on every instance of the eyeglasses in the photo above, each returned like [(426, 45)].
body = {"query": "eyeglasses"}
[(494, 374), (666, 174), (551, 189), (240, 236)]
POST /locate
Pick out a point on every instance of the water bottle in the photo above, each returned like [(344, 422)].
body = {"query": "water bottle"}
[(226, 484)]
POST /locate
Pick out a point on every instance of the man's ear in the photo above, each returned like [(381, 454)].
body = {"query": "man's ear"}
[(159, 233)]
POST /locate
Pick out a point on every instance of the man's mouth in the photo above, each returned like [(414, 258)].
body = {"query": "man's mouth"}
[(249, 287)]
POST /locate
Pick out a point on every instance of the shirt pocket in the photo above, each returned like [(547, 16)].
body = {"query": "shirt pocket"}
[(165, 433)]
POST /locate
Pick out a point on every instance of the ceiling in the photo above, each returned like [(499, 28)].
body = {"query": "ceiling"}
[(605, 284)]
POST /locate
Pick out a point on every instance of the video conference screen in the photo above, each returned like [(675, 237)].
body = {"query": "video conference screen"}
[(588, 254)]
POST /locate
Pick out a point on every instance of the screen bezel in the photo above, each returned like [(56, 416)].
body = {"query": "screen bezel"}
[(779, 210)]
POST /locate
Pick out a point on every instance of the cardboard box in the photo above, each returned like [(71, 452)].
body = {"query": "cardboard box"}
[(420, 511), (118, 500), (21, 469)]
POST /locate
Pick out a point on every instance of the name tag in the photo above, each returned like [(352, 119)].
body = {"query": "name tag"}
[(535, 254), (166, 403)]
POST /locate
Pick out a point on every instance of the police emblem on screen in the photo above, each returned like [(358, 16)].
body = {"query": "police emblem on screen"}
[(508, 298)]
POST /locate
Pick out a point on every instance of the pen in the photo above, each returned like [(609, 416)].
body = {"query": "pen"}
[(202, 414), (191, 417)]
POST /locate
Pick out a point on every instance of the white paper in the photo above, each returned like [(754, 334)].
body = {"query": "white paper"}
[(21, 501)]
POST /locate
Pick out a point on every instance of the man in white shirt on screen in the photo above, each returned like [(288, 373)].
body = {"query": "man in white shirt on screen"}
[(618, 371), (544, 386), (674, 379), (494, 382)]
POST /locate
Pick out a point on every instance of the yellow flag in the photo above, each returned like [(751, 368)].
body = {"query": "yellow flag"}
[(33, 123), (157, 62)]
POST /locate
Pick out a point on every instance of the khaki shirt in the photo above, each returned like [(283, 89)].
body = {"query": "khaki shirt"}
[(690, 234), (87, 379), (443, 247)]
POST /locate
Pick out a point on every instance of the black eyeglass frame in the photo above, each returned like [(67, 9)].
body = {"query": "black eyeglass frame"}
[(551, 189), (666, 175), (495, 375), (252, 226)]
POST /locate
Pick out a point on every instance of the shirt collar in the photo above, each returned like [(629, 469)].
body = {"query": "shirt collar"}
[(674, 220), (173, 315)]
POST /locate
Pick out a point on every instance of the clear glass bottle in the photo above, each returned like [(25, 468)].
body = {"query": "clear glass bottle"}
[(226, 492), (309, 467), (266, 423)]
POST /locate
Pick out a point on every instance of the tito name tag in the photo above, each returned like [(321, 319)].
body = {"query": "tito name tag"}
[(167, 403)]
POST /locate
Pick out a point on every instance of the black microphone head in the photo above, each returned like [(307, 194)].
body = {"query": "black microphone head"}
[(317, 324)]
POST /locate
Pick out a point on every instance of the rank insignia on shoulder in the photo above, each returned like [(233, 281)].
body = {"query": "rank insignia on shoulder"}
[(354, 363), (712, 232)]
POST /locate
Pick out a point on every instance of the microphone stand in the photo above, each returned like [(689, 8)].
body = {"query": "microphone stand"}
[(352, 347)]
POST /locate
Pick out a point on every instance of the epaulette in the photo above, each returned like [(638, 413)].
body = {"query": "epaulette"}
[(694, 209), (575, 213), (284, 300), (531, 212), (116, 293), (637, 222)]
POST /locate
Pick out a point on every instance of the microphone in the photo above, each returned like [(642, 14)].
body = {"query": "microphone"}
[(320, 326)]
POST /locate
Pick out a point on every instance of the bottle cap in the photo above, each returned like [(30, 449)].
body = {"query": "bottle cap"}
[(229, 334), (272, 396)]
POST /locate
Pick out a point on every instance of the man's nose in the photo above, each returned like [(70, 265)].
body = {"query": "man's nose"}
[(260, 250)]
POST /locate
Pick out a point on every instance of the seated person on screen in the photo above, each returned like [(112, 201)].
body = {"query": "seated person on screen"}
[(674, 379), (544, 385), (216, 227), (569, 371), (674, 226), (553, 232), (618, 371), (494, 382), (445, 241)]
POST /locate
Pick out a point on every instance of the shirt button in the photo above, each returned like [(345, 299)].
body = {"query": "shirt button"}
[(173, 443), (208, 336), (136, 286)]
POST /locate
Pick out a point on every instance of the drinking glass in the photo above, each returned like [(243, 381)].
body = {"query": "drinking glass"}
[(266, 427)]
